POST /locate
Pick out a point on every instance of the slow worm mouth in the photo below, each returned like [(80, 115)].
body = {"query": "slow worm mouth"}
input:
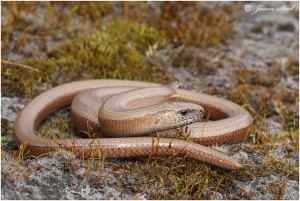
[(193, 120), (239, 122)]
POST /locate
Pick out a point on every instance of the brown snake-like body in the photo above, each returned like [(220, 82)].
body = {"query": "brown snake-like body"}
[(232, 124)]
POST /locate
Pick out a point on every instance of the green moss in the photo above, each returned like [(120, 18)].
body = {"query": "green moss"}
[(196, 25), (117, 51), (177, 178), (9, 141), (111, 48), (257, 77), (87, 10), (57, 126), (252, 96), (187, 23)]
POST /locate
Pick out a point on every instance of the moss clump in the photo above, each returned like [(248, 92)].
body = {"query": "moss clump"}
[(58, 126), (188, 23), (176, 178), (257, 77), (118, 51), (246, 95), (196, 24), (86, 10)]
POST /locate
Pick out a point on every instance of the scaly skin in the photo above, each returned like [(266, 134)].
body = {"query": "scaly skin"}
[(233, 127)]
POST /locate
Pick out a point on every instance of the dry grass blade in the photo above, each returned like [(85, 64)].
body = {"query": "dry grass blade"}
[(19, 65)]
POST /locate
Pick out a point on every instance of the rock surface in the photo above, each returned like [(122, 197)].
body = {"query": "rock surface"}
[(265, 42)]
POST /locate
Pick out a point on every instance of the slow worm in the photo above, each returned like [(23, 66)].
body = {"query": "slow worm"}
[(231, 123)]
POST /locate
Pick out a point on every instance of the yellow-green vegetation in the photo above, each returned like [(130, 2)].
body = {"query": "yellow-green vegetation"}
[(85, 40), (196, 25), (267, 96), (109, 48), (118, 51), (187, 23), (58, 126)]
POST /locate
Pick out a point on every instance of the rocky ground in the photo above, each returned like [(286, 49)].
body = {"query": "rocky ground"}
[(257, 67)]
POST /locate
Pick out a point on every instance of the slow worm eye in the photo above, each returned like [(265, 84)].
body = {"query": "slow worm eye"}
[(112, 121), (184, 112)]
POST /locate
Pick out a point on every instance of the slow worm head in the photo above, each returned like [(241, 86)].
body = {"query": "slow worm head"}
[(145, 111), (231, 122)]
